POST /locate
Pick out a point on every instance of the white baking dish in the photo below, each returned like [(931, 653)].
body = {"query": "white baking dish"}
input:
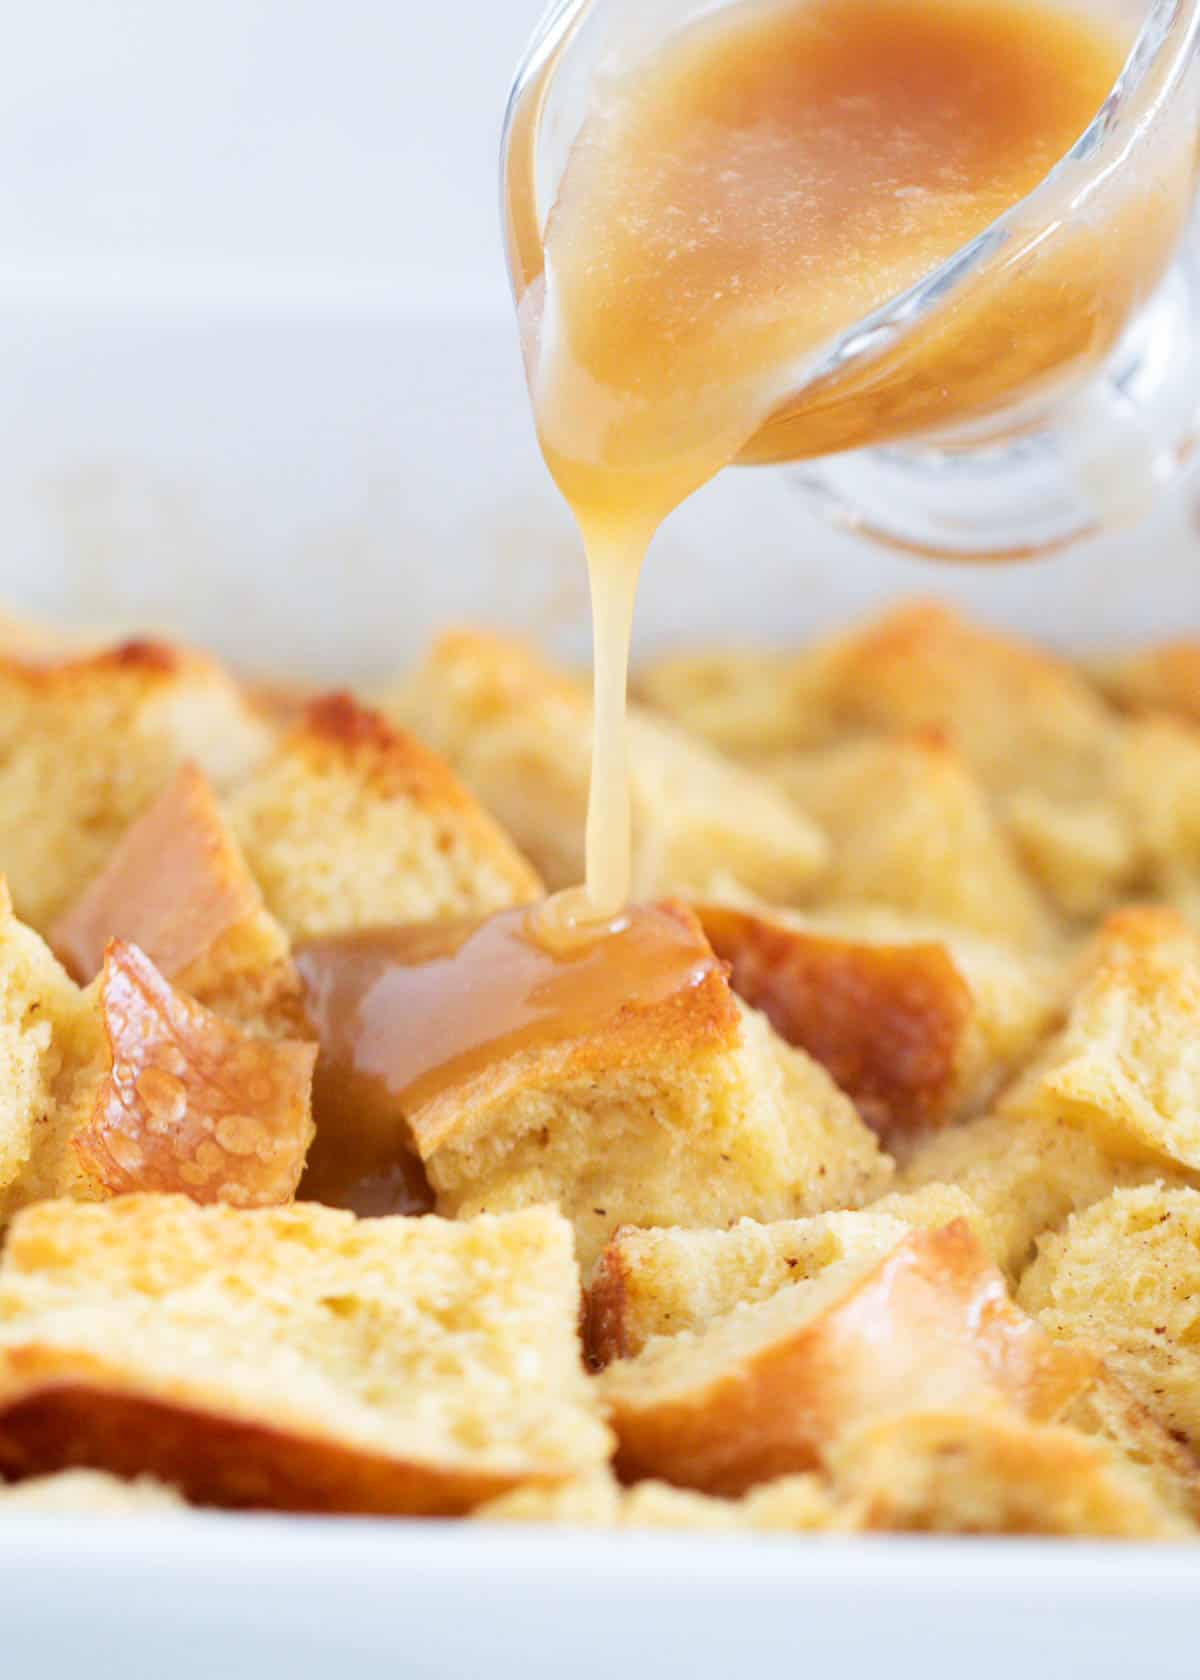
[(319, 485), (311, 466), (227, 1598)]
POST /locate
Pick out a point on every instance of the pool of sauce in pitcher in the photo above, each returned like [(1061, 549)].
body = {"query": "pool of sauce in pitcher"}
[(407, 1014), (750, 188)]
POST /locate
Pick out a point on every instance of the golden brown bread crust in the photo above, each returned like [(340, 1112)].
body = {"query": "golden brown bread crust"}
[(886, 1022), (336, 733), (87, 740), (933, 1322), (353, 823), (189, 1103), (60, 1411)]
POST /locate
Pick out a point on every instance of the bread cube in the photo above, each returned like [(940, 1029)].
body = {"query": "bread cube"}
[(519, 732), (993, 1473), (87, 742), (353, 823), (1124, 1277), (1126, 1066), (686, 1111), (295, 1359), (765, 1389), (918, 1024), (178, 887), (914, 830)]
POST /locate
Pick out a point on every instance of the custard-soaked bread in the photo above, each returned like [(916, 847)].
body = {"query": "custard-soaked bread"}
[(666, 1282), (793, 1504), (951, 1472), (650, 1283), (50, 1047), (753, 705), (1158, 794), (766, 1388), (178, 887), (299, 1358), (1034, 735), (1110, 1412), (87, 742), (1124, 1277), (918, 1024), (519, 732), (353, 823), (912, 828), (87, 1493), (1162, 678), (689, 1111), (1021, 716), (1126, 1065), (1025, 1173)]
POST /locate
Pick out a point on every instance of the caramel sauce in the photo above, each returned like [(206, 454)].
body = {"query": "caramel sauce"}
[(405, 1014), (748, 190)]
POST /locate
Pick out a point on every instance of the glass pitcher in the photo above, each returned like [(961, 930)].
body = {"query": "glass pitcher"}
[(1066, 336)]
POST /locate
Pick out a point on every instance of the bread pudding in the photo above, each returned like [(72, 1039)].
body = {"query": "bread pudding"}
[(864, 1197)]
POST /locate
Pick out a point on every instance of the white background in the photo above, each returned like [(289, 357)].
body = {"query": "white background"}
[(259, 376)]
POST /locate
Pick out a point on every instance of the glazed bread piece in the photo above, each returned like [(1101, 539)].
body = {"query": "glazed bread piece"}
[(88, 1493), (690, 1111), (87, 742), (919, 1024), (1126, 1066), (295, 1359), (650, 1283), (765, 1389), (1123, 1277), (913, 829), (945, 1472), (177, 886), (519, 732), (352, 823)]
